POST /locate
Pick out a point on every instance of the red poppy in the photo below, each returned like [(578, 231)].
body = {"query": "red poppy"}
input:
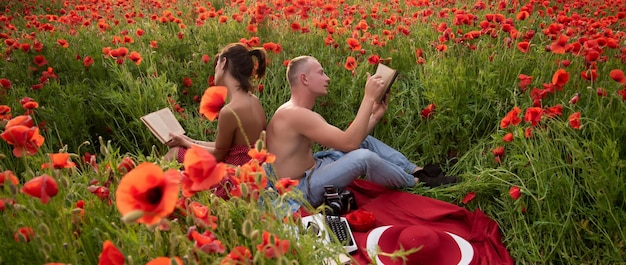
[(441, 47), (350, 64), (601, 92), (574, 120), (374, 59), (202, 171), (523, 46), (8, 175), (524, 81), (88, 61), (165, 261), (187, 82), (560, 78), (110, 255), (6, 83), (428, 111), (560, 45), (101, 192), (39, 60), (202, 213), (565, 63), (148, 189), (59, 161), (284, 185), (207, 242), (260, 153), (511, 118), (353, 44), (575, 98), (43, 187), (468, 197), (556, 110), (140, 32), (533, 115), (508, 137), (622, 92), (212, 101), (25, 140), (25, 120), (126, 165), (240, 255), (135, 57), (154, 44), (24, 234), (498, 153), (618, 76), (589, 75), (5, 113), (273, 248), (63, 43), (515, 192)]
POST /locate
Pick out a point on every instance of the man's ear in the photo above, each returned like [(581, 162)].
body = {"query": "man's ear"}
[(303, 79)]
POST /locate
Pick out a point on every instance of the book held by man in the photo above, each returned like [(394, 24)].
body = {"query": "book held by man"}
[(161, 123), (388, 75)]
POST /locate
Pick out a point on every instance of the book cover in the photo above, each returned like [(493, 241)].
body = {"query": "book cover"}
[(161, 123), (388, 75)]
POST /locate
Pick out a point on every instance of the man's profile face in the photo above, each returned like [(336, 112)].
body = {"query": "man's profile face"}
[(317, 78)]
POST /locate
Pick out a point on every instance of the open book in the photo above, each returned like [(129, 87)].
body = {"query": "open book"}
[(389, 76), (161, 123)]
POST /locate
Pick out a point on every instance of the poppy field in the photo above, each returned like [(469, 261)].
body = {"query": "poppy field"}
[(524, 100)]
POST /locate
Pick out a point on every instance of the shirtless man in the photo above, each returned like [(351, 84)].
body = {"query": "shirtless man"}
[(294, 128)]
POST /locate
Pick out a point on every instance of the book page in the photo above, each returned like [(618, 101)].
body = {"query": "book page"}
[(161, 123)]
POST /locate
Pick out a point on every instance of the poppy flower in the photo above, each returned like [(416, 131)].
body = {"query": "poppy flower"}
[(110, 255), (468, 197), (135, 57), (24, 234), (524, 81), (239, 255), (616, 74), (206, 58), (39, 60), (508, 137), (622, 92), (261, 154), (515, 192), (560, 78), (8, 175), (589, 75), (165, 261), (202, 171), (353, 44), (528, 132), (575, 99), (5, 113), (140, 32), (273, 248), (126, 165), (101, 192), (574, 120), (59, 161), (350, 64), (498, 153), (533, 115), (25, 140), (284, 185), (523, 46), (63, 43), (154, 44), (556, 110), (43, 187), (428, 111), (148, 189), (88, 61), (601, 92), (361, 220), (212, 101), (6, 83), (207, 242), (560, 46), (511, 118), (374, 59), (202, 213), (25, 120)]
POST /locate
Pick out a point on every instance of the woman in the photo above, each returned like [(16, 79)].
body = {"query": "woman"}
[(242, 120)]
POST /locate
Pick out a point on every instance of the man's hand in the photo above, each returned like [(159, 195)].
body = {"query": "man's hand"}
[(374, 87)]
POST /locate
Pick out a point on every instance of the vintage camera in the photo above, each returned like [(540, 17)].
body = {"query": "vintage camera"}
[(338, 202)]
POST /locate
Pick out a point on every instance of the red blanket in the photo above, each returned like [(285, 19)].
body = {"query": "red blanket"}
[(393, 207)]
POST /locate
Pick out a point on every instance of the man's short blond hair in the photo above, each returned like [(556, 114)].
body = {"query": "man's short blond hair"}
[(295, 67)]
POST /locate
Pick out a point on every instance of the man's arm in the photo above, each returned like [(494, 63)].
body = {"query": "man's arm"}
[(314, 127)]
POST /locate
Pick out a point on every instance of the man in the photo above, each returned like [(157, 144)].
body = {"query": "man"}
[(294, 128)]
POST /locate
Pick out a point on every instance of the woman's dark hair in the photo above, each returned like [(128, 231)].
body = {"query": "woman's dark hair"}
[(241, 65)]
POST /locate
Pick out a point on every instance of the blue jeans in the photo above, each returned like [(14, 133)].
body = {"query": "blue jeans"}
[(374, 159)]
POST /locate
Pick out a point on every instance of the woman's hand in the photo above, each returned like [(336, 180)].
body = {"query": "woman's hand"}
[(179, 140)]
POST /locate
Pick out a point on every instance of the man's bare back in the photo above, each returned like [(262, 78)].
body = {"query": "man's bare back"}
[(293, 150)]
